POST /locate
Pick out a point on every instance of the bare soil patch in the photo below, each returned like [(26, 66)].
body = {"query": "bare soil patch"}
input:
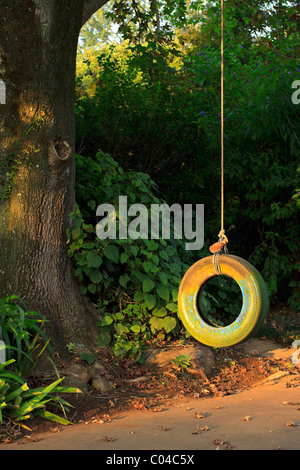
[(154, 389)]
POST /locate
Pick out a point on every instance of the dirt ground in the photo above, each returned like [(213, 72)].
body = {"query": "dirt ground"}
[(148, 402)]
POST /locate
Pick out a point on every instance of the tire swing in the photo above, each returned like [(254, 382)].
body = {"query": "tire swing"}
[(191, 303)]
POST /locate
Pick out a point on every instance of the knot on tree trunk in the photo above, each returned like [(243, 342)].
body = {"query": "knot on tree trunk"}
[(61, 150)]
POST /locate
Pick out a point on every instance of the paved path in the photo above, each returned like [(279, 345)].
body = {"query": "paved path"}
[(266, 417), (265, 428)]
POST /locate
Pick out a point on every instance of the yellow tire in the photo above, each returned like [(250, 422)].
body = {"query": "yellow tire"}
[(254, 309)]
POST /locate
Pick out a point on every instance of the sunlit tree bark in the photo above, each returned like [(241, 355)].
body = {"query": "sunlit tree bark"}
[(38, 43)]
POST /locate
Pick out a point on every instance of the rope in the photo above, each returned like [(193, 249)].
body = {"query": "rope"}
[(222, 236), (216, 263), (222, 115)]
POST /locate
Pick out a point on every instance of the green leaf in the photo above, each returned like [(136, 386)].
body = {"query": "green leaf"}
[(30, 405), (134, 250), (107, 320), (223, 295), (88, 246), (119, 316), (92, 288), (150, 301), (175, 295), (123, 258), (172, 307), (155, 259), (147, 265), (124, 279), (135, 328), (151, 245), (95, 276), (156, 323), (111, 252), (104, 338), (120, 328), (88, 358), (83, 290), (76, 232), (93, 260), (169, 323), (53, 417), (163, 292), (164, 255), (138, 296), (148, 285), (160, 312), (164, 278)]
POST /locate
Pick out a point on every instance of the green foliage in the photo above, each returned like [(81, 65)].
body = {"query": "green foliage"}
[(183, 361), (19, 402), (22, 332), (222, 300), (133, 282), (155, 108), (148, 20)]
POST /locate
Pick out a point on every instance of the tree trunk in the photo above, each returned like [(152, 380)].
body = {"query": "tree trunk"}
[(38, 44)]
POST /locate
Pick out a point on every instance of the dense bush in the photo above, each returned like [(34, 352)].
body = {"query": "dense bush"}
[(169, 126), (155, 107), (133, 282)]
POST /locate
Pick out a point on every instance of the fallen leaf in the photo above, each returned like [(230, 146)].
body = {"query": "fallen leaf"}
[(162, 428), (106, 417), (247, 418), (218, 442), (32, 439), (204, 428), (109, 439), (6, 440), (26, 427), (290, 403), (291, 423), (55, 429)]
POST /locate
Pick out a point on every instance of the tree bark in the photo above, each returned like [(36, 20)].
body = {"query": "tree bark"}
[(38, 44)]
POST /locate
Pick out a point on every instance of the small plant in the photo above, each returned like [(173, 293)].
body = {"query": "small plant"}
[(21, 330), (19, 402), (183, 361)]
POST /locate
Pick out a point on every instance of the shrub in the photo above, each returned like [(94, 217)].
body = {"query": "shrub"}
[(170, 127), (22, 332), (19, 402), (133, 282)]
